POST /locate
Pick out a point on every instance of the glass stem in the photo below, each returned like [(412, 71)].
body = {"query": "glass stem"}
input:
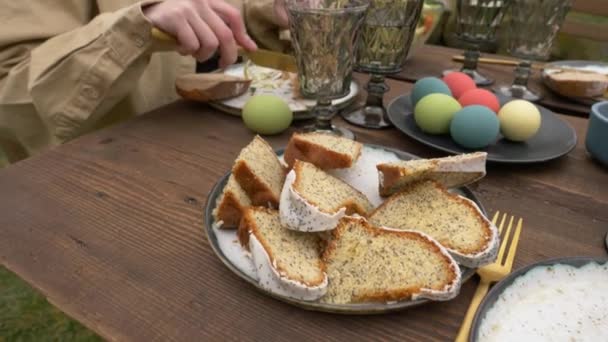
[(522, 73), (376, 87), (471, 57), (323, 112)]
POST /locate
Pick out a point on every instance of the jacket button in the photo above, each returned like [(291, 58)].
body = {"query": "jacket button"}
[(90, 92), (139, 40)]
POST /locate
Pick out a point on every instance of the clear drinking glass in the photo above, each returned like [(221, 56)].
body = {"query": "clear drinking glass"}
[(533, 26), (384, 42), (324, 35), (476, 23)]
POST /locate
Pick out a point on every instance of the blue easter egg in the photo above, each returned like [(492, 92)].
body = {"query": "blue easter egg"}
[(426, 86), (474, 127)]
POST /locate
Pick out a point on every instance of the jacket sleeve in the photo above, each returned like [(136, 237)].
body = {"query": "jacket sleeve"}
[(70, 69)]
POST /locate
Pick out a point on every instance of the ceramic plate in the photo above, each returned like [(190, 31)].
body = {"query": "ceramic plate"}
[(499, 288), (227, 249), (554, 139), (275, 82)]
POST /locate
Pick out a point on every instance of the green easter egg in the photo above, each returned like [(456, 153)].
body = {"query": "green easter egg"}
[(267, 114), (474, 127), (434, 112), (519, 120)]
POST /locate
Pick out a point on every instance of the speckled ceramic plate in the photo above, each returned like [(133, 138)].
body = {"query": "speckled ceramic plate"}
[(213, 235), (554, 139), (499, 288), (281, 86)]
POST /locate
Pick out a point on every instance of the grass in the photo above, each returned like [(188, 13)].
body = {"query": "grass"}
[(25, 315)]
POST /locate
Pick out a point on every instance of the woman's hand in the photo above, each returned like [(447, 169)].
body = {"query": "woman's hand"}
[(202, 27)]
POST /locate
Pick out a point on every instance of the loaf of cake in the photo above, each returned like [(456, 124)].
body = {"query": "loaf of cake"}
[(324, 150), (371, 264), (576, 83), (456, 222), (313, 200), (230, 204), (287, 262), (453, 171), (259, 172)]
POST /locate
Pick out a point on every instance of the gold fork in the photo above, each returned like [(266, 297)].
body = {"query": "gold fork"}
[(493, 272)]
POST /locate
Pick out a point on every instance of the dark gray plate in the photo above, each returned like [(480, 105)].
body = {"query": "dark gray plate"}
[(554, 139), (353, 309), (498, 289)]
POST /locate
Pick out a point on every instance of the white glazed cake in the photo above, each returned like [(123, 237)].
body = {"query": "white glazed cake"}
[(313, 200)]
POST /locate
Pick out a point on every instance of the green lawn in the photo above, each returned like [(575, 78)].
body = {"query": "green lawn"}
[(25, 315)]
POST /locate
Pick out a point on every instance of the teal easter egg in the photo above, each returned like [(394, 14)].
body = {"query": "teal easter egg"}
[(434, 112), (475, 127), (267, 114), (519, 120), (426, 86)]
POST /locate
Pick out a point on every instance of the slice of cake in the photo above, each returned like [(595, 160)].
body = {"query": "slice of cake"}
[(287, 262), (313, 200), (456, 222), (326, 151), (259, 172), (231, 204), (451, 171), (366, 263)]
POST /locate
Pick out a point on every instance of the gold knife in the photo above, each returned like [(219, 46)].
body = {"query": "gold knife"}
[(261, 57)]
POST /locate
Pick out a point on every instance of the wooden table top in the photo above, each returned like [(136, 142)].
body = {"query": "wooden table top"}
[(432, 60), (109, 227)]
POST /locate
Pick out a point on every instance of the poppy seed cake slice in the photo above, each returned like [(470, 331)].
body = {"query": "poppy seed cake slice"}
[(370, 264), (231, 204), (326, 151), (451, 171), (313, 200), (259, 172), (456, 222), (287, 262)]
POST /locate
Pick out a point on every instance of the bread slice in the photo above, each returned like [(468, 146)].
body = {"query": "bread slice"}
[(313, 200), (366, 263), (231, 204), (576, 83), (326, 151), (287, 262), (259, 172), (456, 222), (451, 171)]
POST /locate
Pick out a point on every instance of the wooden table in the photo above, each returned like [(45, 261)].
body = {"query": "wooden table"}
[(110, 228), (431, 60)]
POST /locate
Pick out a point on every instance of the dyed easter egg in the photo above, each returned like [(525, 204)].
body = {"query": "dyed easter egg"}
[(480, 97), (474, 127), (459, 83), (267, 114), (426, 86), (434, 112), (519, 120)]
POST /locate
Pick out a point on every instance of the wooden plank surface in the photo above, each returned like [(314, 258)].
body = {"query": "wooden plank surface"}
[(110, 228), (431, 60), (594, 7)]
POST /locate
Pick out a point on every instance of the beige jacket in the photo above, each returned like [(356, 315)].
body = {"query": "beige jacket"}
[(70, 66)]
